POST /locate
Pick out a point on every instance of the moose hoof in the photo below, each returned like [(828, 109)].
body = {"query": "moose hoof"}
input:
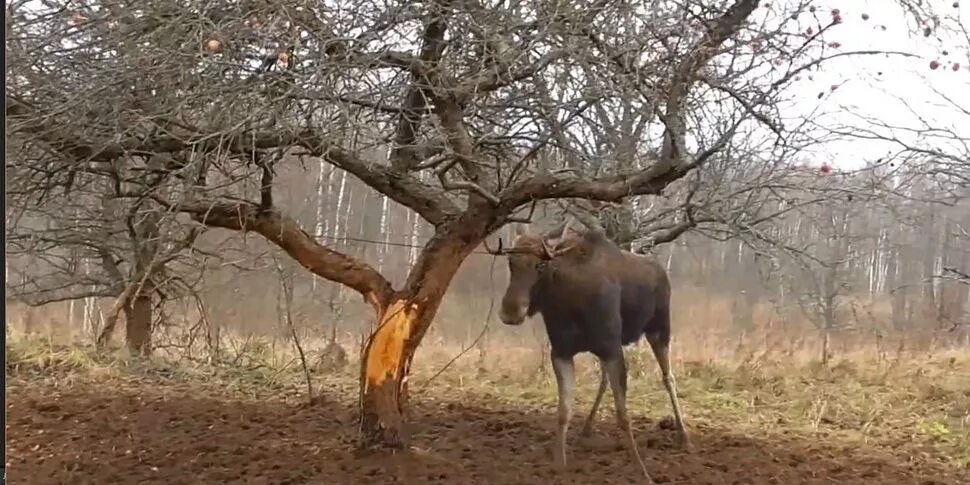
[(683, 441), (559, 460)]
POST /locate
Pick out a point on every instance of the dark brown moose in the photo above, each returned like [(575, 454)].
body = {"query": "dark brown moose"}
[(593, 297)]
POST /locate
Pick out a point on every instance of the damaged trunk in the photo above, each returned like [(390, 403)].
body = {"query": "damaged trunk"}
[(384, 369), (401, 325)]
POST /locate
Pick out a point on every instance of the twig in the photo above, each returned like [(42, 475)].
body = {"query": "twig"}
[(287, 301), (488, 317)]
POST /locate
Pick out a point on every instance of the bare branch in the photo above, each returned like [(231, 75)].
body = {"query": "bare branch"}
[(287, 234)]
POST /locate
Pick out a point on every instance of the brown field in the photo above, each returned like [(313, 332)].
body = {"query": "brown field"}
[(79, 416)]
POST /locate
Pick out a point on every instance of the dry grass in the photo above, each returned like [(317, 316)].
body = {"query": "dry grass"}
[(902, 405), (901, 400), (921, 404)]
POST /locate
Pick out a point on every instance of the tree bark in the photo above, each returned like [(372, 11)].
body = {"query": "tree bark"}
[(138, 324), (384, 368), (402, 324)]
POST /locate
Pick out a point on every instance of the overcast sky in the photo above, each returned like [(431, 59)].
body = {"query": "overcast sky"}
[(862, 90)]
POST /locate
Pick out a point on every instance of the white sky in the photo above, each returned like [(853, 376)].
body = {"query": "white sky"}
[(861, 90)]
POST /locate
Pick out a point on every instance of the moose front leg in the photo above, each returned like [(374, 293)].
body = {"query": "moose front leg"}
[(564, 369)]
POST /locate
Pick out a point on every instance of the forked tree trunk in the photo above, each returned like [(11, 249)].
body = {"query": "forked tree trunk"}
[(402, 317)]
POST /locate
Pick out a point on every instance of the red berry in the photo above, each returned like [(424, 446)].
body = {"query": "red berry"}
[(865, 16), (825, 169), (955, 67), (927, 31), (835, 12), (836, 19), (835, 45), (934, 64), (213, 46), (809, 31)]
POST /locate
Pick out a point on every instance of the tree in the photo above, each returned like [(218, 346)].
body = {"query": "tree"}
[(926, 174), (81, 241), (492, 116)]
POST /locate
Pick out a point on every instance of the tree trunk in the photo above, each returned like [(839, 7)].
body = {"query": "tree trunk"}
[(826, 343), (385, 234), (401, 324), (29, 320), (138, 324), (87, 317), (386, 362), (70, 315), (385, 367)]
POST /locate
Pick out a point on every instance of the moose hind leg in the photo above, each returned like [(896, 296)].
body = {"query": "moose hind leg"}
[(661, 350), (565, 377), (588, 425), (615, 368)]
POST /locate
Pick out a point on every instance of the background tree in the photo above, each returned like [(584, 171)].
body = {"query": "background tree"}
[(81, 241)]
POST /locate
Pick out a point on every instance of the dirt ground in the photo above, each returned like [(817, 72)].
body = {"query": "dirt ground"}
[(115, 430)]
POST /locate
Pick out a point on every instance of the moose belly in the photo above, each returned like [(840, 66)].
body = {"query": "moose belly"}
[(571, 333)]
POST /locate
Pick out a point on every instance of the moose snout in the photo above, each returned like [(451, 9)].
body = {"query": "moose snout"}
[(512, 312)]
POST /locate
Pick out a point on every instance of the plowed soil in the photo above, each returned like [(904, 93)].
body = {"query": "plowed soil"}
[(110, 431)]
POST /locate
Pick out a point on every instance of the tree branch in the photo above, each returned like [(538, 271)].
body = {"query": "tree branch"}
[(497, 77), (672, 164), (685, 75), (44, 297), (416, 99), (286, 233), (449, 112), (611, 188), (426, 200)]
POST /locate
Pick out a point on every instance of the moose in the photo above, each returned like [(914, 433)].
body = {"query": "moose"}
[(593, 297)]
